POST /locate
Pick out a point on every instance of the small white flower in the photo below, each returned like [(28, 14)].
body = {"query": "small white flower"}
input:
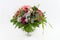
[(19, 19), (26, 15), (31, 10), (29, 18)]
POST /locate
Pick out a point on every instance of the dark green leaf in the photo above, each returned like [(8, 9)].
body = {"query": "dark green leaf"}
[(14, 21), (35, 24), (34, 8), (28, 28), (19, 25)]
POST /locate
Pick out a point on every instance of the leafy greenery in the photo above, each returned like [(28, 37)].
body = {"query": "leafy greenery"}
[(35, 24), (34, 8), (28, 28), (19, 24), (14, 21)]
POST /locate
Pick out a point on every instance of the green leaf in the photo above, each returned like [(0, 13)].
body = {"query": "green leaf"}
[(39, 22), (43, 26), (13, 21), (28, 28), (19, 25), (43, 19), (34, 8), (35, 24)]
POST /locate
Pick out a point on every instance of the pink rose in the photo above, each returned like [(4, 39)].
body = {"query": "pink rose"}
[(26, 8)]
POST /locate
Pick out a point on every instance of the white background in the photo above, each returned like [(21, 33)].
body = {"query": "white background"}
[(8, 9)]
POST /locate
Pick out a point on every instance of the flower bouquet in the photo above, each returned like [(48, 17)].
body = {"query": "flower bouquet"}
[(28, 18)]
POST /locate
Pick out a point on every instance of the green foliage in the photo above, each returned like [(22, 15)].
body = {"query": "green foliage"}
[(42, 25), (43, 21), (28, 28), (14, 21), (43, 18), (19, 24), (35, 24), (34, 8)]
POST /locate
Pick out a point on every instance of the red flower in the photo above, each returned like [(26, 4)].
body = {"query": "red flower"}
[(25, 8), (39, 12), (23, 20)]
